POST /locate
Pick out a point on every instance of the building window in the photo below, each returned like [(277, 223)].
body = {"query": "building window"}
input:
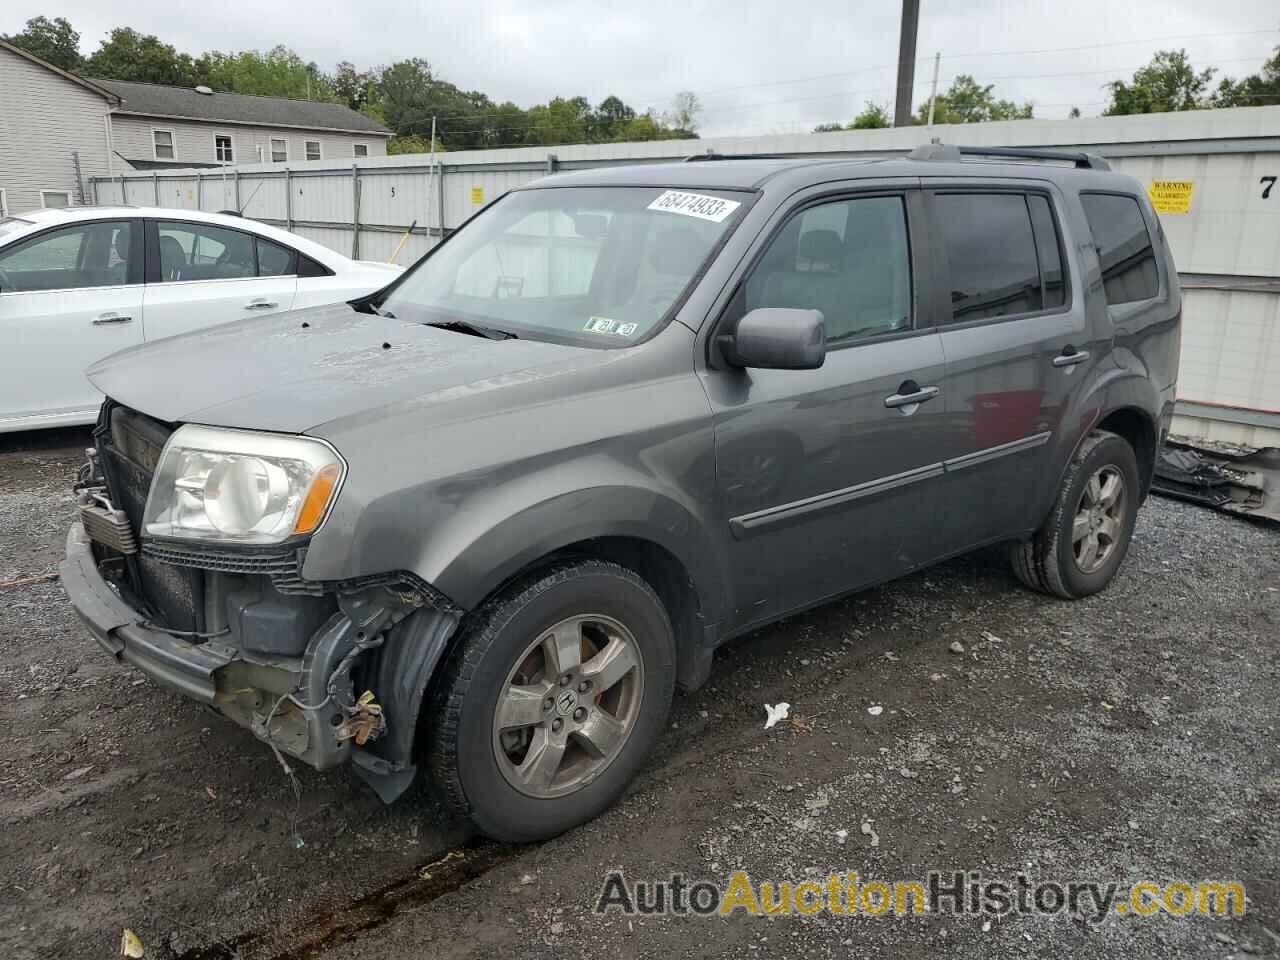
[(313, 150), (55, 198), (360, 150), (279, 150), (222, 148), (163, 143)]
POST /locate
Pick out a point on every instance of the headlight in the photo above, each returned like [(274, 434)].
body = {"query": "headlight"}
[(234, 485)]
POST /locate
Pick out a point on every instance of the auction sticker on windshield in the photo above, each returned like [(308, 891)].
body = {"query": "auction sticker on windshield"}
[(606, 325), (695, 205)]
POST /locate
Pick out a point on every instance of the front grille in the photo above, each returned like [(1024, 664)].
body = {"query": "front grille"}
[(129, 448)]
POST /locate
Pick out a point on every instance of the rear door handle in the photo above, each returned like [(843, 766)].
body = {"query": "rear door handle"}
[(261, 305), (910, 395), (105, 318), (1070, 356)]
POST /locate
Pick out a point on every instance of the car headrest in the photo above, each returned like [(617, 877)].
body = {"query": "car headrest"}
[(822, 246)]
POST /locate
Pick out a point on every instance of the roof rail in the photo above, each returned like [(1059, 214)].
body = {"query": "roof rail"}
[(946, 152), (712, 155)]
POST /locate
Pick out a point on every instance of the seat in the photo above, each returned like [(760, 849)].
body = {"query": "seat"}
[(173, 259), (813, 281)]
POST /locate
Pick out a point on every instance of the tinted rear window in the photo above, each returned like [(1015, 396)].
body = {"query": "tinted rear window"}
[(989, 245), (1124, 247), (1049, 250)]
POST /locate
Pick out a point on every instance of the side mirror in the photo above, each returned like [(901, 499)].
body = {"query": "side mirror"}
[(778, 338)]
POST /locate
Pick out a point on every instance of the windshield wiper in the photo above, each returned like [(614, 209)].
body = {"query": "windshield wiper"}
[(473, 329)]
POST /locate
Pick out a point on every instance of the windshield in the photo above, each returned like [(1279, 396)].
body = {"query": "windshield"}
[(596, 265)]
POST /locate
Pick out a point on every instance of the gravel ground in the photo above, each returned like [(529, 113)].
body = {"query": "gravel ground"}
[(1126, 737)]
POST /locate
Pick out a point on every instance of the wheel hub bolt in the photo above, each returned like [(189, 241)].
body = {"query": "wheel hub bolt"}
[(566, 680), (584, 686), (580, 714), (556, 724), (548, 703)]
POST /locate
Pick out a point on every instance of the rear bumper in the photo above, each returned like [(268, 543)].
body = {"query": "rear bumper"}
[(118, 628)]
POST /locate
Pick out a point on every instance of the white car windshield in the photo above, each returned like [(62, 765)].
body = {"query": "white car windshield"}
[(596, 265)]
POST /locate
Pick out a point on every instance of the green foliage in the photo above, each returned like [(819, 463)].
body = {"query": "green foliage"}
[(129, 55), (1167, 83), (967, 101), (279, 72), (873, 117), (54, 41), (410, 143), (1259, 90)]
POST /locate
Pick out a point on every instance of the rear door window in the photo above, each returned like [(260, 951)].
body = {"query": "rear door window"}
[(94, 254), (989, 246), (200, 251), (274, 260), (1120, 234)]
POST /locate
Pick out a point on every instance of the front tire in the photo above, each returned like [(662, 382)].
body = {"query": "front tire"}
[(552, 700), (1081, 545)]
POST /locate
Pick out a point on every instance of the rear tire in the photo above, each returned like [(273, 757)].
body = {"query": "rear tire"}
[(1082, 543), (552, 700)]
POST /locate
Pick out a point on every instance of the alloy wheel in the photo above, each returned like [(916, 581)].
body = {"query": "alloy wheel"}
[(1099, 519), (568, 706)]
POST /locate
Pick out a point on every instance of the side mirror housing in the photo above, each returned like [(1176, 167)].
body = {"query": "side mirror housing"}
[(778, 338)]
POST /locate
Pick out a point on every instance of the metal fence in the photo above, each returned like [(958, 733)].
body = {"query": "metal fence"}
[(1210, 172)]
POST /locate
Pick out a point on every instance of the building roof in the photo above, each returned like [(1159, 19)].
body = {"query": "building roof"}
[(157, 100), (90, 85)]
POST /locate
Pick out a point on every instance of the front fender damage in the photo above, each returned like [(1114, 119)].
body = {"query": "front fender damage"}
[(356, 693)]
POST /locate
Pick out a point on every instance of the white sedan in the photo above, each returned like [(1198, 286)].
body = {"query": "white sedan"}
[(80, 283)]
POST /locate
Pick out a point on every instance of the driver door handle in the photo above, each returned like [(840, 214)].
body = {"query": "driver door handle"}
[(261, 305), (1070, 356), (910, 394), (110, 317)]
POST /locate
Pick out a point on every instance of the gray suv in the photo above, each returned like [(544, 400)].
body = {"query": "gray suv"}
[(485, 520)]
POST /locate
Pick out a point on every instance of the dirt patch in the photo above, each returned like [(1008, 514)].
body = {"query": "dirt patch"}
[(1128, 736)]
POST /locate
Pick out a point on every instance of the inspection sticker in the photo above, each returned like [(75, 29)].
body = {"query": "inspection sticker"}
[(605, 325), (695, 205), (1171, 196)]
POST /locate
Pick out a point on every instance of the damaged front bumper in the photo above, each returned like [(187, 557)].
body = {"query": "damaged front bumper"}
[(382, 637)]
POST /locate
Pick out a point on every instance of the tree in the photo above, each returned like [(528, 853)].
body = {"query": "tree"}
[(1167, 83), (278, 72), (683, 116), (53, 41), (129, 55), (872, 117), (1074, 113), (967, 101), (1260, 89)]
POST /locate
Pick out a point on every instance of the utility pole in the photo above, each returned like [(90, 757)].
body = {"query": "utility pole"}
[(906, 63), (933, 92)]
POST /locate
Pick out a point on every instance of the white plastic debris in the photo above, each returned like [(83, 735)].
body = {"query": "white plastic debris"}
[(842, 836), (867, 831), (986, 926), (956, 647), (776, 713), (876, 710)]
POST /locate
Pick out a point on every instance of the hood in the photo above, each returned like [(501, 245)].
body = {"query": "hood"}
[(296, 371)]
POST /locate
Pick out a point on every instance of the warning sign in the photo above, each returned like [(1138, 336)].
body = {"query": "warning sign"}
[(1171, 196), (477, 196)]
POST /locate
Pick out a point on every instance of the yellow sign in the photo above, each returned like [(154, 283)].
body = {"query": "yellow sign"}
[(1171, 196), (477, 196)]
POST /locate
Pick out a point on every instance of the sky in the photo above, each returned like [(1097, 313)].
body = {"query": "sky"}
[(757, 66)]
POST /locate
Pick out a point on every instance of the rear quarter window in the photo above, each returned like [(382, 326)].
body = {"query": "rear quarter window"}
[(1128, 259)]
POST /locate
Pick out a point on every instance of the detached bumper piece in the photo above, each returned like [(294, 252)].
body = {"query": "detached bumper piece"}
[(1241, 480)]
